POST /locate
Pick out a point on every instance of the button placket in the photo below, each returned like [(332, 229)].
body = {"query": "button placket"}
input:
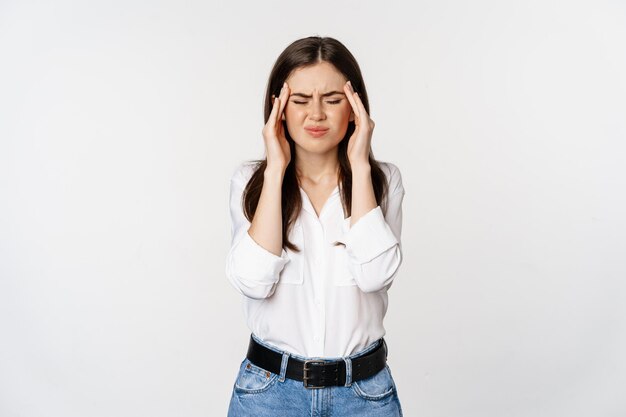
[(322, 250)]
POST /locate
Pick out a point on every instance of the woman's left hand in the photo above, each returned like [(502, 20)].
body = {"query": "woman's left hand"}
[(361, 139)]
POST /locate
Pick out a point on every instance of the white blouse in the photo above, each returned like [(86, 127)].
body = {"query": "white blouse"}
[(326, 301)]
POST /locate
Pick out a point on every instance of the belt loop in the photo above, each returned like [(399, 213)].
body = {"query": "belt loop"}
[(348, 362), (386, 350), (283, 366)]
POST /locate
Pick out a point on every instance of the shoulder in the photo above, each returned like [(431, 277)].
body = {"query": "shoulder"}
[(242, 173), (393, 175)]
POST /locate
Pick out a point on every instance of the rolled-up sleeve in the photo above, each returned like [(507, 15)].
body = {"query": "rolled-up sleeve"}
[(373, 243), (250, 268)]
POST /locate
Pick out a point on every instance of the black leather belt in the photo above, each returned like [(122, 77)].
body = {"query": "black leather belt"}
[(319, 373)]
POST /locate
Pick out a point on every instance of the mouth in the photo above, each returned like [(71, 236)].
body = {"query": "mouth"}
[(316, 132)]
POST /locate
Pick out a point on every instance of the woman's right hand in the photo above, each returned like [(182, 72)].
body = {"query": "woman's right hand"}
[(276, 144)]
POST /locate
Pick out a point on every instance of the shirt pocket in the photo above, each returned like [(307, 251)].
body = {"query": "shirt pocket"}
[(293, 271)]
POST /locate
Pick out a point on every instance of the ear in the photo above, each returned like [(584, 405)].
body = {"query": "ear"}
[(351, 119), (283, 118)]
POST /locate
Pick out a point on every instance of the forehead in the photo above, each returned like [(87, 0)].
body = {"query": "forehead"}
[(322, 76)]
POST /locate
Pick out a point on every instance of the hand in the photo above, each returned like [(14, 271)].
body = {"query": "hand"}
[(276, 144), (360, 141)]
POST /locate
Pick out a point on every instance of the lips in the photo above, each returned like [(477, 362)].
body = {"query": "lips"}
[(316, 133), (316, 129)]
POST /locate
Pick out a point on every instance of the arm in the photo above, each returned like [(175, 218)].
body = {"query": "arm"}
[(373, 241), (256, 256), (363, 197), (267, 224)]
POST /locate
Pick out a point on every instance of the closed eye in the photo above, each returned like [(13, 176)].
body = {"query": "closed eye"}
[(329, 102)]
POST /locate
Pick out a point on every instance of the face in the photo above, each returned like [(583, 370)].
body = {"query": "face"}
[(310, 105)]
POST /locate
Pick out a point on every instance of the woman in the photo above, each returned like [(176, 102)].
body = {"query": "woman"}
[(315, 245)]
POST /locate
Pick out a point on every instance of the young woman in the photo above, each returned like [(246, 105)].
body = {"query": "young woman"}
[(315, 245)]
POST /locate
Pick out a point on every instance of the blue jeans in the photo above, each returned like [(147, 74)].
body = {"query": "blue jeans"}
[(260, 393)]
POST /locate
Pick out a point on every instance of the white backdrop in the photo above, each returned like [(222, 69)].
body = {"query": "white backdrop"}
[(121, 122)]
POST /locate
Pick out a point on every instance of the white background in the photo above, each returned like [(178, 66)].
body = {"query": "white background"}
[(122, 121)]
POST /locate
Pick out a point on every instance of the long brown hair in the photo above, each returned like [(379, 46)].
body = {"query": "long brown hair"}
[(301, 53)]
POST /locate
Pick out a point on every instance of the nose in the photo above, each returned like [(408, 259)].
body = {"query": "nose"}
[(317, 111)]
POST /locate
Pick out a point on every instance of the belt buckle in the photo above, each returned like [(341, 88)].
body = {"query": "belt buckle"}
[(306, 377)]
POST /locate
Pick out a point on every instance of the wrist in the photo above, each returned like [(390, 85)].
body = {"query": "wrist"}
[(274, 172), (360, 166)]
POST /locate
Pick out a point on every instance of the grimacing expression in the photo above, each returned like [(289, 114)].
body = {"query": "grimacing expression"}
[(317, 98)]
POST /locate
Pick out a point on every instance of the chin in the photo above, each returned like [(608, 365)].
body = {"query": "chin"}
[(320, 149)]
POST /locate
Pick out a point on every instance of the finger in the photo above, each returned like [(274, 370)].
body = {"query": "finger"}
[(276, 110), (364, 118), (278, 101), (358, 101), (271, 121), (350, 94), (284, 96)]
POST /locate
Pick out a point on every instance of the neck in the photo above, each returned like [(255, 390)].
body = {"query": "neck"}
[(318, 168)]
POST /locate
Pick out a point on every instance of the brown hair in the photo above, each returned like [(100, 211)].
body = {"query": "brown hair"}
[(301, 53)]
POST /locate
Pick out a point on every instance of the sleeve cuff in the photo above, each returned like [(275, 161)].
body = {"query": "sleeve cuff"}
[(258, 265), (369, 237)]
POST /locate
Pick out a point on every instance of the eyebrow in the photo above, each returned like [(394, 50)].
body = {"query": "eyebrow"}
[(330, 93)]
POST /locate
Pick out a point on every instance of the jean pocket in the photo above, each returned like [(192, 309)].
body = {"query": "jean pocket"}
[(253, 379), (293, 271), (376, 387)]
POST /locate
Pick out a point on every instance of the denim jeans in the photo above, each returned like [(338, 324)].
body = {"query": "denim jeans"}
[(260, 393)]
